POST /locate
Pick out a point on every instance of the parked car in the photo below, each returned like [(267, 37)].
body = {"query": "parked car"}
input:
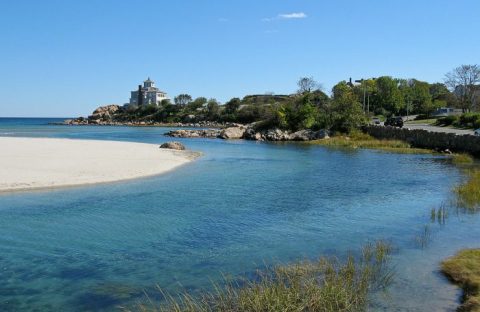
[(375, 121), (394, 122), (477, 132)]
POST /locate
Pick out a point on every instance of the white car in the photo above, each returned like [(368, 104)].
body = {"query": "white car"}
[(477, 132)]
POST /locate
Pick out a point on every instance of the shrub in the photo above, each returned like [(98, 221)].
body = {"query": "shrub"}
[(447, 121)]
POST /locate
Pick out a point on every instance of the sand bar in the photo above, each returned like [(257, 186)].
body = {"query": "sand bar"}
[(38, 163)]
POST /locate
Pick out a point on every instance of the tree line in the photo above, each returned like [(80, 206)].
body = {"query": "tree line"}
[(349, 105)]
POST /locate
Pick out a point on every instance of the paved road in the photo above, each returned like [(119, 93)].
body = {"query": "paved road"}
[(438, 129)]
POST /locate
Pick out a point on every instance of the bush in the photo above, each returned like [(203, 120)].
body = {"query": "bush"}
[(447, 121), (469, 120)]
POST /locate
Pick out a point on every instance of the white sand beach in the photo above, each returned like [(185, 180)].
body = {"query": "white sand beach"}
[(37, 163)]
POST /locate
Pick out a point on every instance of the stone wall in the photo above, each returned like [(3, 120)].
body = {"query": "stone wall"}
[(425, 139)]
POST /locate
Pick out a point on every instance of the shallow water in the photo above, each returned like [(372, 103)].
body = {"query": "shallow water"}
[(241, 205)]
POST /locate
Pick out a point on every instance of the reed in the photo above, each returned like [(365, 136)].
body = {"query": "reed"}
[(423, 239), (461, 159), (361, 140), (468, 193), (327, 284)]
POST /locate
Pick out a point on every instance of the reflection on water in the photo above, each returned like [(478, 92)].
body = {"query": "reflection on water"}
[(240, 205)]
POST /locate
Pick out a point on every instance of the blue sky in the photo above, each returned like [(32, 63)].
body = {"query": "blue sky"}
[(65, 58)]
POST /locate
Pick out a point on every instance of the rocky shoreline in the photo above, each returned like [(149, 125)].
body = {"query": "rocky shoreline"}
[(108, 116), (249, 133)]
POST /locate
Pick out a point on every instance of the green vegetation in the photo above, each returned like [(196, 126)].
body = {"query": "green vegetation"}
[(468, 193), (358, 139), (430, 121), (323, 285), (349, 107), (467, 120), (461, 158), (464, 270)]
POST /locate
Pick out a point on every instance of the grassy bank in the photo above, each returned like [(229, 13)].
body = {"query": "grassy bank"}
[(362, 140), (464, 270), (323, 285), (468, 193)]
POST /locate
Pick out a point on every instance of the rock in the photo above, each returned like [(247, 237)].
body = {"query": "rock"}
[(232, 133), (104, 112), (208, 133), (322, 134), (173, 145), (302, 135), (276, 135)]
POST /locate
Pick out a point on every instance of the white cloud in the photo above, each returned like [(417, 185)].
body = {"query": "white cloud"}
[(295, 15)]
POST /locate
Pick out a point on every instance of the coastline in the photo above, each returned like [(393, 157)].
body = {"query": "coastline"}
[(32, 164)]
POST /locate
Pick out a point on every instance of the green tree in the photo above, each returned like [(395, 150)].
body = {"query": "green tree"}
[(297, 114), (345, 113), (388, 96), (182, 99), (417, 97), (232, 106), (196, 104), (212, 110)]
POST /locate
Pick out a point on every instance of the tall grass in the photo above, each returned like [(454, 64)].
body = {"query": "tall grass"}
[(327, 284), (468, 193), (464, 269), (460, 159), (359, 139)]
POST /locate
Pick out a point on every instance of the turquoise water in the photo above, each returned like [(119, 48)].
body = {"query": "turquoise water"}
[(239, 206)]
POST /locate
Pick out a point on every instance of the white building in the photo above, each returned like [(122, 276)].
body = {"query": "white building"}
[(148, 94)]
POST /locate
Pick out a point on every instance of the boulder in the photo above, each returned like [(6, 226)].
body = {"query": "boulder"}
[(276, 135), (173, 145), (302, 135), (232, 133), (208, 133), (104, 112)]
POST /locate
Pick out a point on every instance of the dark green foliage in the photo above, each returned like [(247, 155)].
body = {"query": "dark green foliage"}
[(310, 108), (346, 111), (447, 121), (298, 114), (388, 96), (182, 99)]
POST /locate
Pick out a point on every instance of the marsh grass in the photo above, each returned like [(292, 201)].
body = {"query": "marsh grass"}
[(468, 193), (461, 158), (464, 270), (424, 238), (439, 215), (327, 284), (359, 139)]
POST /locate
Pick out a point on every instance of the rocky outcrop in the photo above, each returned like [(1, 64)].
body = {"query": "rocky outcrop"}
[(308, 135), (173, 145), (201, 133), (249, 133), (282, 135), (104, 113), (232, 133)]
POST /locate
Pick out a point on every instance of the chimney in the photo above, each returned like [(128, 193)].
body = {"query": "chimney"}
[(140, 96)]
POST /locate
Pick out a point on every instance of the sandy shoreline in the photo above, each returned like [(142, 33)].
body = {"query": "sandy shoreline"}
[(41, 163)]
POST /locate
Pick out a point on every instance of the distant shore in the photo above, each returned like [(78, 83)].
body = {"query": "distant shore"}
[(42, 163)]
